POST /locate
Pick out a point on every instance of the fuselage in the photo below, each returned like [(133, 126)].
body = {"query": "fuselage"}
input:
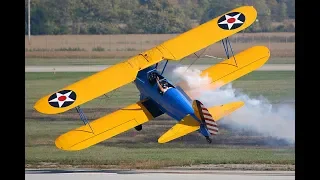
[(173, 102)]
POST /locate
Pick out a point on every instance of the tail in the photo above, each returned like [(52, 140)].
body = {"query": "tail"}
[(209, 116), (206, 118)]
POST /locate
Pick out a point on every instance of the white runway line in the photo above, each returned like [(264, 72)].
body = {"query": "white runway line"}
[(189, 175)]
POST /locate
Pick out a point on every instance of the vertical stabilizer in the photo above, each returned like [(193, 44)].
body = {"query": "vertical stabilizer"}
[(204, 115)]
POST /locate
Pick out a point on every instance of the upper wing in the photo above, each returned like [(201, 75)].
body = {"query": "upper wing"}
[(104, 127), (98, 83), (227, 70), (125, 72), (210, 32)]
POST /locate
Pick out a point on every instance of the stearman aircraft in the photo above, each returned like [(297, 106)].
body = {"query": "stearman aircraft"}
[(142, 69)]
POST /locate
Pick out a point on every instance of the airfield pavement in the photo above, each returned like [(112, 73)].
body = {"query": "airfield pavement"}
[(95, 68), (79, 174)]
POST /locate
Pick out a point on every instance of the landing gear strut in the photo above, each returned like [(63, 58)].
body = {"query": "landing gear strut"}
[(208, 140)]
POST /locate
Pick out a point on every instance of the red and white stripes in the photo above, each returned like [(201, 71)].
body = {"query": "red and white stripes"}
[(211, 124)]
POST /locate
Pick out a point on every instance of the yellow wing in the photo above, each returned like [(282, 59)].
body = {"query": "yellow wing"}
[(227, 70), (104, 128), (98, 84), (210, 32), (189, 124), (126, 72), (218, 112), (185, 126)]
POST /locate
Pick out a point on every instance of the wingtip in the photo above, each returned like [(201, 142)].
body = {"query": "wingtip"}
[(37, 106), (58, 144), (161, 140)]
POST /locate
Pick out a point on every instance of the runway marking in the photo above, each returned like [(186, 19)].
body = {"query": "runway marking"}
[(156, 174)]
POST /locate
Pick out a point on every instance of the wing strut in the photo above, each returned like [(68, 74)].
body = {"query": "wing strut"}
[(164, 67), (226, 43), (83, 117)]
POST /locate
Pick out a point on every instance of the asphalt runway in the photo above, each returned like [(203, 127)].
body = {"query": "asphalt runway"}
[(96, 68), (156, 175)]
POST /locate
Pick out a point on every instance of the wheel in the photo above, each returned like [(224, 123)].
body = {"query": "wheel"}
[(139, 127), (208, 140)]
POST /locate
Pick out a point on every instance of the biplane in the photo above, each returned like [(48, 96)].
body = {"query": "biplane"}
[(143, 70)]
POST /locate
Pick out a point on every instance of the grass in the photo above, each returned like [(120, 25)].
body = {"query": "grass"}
[(141, 158), (111, 61), (40, 148), (133, 149)]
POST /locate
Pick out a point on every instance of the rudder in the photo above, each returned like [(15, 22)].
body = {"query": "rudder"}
[(204, 115)]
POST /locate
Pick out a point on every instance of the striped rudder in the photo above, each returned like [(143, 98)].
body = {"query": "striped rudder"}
[(206, 117)]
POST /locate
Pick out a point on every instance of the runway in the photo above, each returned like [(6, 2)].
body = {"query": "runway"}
[(156, 175), (96, 68)]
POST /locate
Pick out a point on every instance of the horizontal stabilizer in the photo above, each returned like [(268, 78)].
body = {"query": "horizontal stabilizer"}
[(218, 112), (187, 125)]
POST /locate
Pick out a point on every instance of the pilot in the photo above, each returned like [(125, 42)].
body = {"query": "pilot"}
[(164, 87), (152, 77)]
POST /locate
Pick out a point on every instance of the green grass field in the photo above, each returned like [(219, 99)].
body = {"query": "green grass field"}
[(140, 149), (159, 157), (111, 61)]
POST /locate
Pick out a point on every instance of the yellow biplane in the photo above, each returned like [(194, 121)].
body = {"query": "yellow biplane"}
[(157, 94)]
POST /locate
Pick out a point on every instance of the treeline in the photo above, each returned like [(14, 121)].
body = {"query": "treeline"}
[(148, 16)]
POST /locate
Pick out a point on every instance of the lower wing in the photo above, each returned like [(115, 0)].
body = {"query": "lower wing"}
[(230, 69), (188, 124), (104, 127)]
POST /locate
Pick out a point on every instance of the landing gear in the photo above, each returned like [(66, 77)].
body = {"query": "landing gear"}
[(139, 127), (208, 140)]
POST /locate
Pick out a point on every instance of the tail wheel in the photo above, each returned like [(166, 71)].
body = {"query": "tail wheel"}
[(208, 140), (139, 127)]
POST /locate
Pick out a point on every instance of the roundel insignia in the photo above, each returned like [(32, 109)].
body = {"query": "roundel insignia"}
[(231, 21), (62, 98)]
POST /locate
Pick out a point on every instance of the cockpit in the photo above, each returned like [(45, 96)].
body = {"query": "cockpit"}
[(152, 77)]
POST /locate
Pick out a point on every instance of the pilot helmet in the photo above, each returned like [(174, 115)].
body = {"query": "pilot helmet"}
[(165, 84)]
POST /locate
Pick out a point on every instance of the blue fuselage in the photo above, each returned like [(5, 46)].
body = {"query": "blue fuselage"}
[(173, 102)]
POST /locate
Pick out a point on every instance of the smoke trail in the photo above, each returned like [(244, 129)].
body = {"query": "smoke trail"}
[(257, 115)]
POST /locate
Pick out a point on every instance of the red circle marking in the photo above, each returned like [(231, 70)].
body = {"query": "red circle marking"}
[(62, 98), (231, 20)]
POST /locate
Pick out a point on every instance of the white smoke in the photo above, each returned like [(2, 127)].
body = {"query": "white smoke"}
[(258, 114)]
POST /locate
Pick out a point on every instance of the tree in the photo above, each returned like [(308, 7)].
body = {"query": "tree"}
[(144, 16), (291, 9), (264, 15)]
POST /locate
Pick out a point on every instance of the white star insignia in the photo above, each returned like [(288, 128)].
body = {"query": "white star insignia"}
[(61, 98), (231, 20)]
